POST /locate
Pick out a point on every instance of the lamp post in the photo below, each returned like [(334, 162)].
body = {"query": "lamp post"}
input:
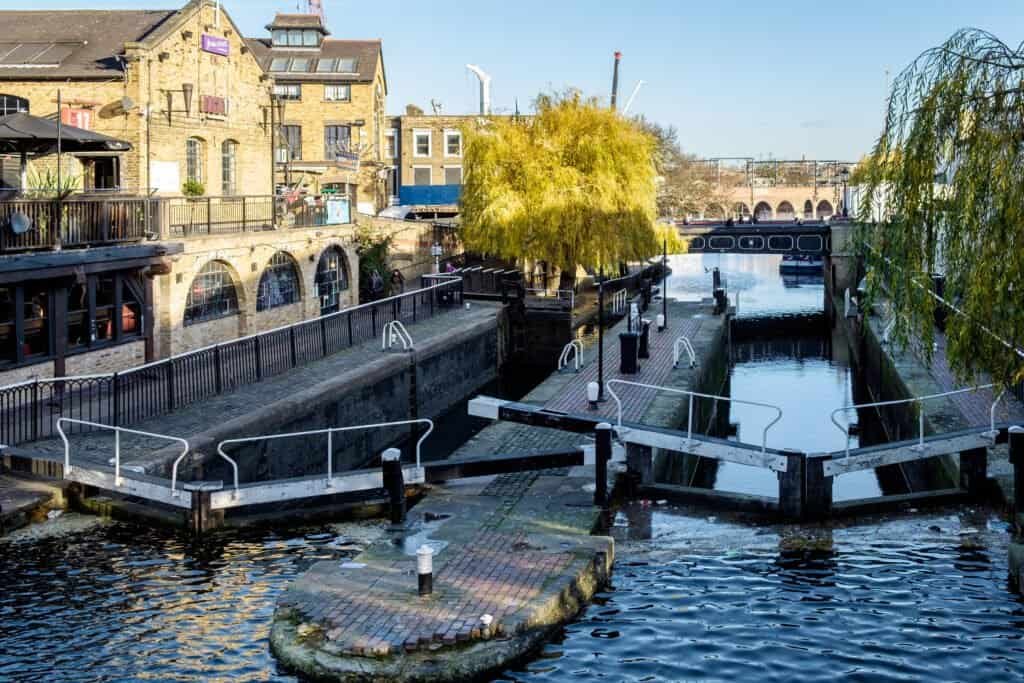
[(664, 281), (845, 174)]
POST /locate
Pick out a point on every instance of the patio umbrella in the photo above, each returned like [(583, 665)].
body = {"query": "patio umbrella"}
[(25, 134)]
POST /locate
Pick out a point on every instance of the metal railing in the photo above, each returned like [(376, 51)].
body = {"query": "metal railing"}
[(567, 296), (395, 332), (575, 350), (82, 222), (680, 345), (690, 443), (29, 410), (920, 445), (620, 302), (217, 215), (330, 431), (68, 468)]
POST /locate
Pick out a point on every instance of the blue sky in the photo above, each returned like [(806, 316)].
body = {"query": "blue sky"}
[(785, 79)]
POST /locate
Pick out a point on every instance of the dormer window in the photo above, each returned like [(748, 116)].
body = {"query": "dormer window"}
[(295, 37), (346, 66), (280, 37), (311, 38)]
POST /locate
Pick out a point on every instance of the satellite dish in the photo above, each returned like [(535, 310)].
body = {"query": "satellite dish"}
[(20, 223), (127, 104)]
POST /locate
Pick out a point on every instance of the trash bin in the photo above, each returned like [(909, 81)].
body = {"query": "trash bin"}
[(645, 329), (629, 347)]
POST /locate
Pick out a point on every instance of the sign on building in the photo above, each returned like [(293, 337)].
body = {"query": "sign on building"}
[(215, 45), (210, 104), (79, 118)]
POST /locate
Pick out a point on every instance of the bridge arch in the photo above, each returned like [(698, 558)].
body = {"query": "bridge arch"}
[(714, 211), (741, 210), (785, 211), (825, 209), (763, 211), (808, 210)]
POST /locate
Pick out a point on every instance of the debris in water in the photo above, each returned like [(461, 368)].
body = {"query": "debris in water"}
[(936, 528), (662, 502), (486, 619), (54, 514), (353, 565)]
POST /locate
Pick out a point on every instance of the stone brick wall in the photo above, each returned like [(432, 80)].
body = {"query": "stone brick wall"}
[(170, 58), (410, 245), (313, 112), (438, 159), (247, 255), (101, 361)]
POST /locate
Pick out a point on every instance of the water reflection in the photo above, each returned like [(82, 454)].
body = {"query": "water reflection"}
[(784, 352)]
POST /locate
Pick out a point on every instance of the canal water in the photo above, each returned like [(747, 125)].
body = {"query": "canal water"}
[(695, 597), (784, 353)]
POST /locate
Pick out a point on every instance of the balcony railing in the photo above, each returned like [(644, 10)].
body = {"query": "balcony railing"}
[(39, 224), (76, 222)]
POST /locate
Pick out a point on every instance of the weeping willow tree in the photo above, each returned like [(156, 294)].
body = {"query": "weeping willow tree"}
[(572, 186), (949, 169)]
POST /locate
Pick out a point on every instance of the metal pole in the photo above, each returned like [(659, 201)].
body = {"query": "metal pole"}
[(602, 454), (664, 284), (60, 134), (600, 334)]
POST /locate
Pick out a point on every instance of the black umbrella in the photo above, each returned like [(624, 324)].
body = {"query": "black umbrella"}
[(24, 134)]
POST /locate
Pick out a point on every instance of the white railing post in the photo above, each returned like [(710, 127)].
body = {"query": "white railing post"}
[(117, 456), (689, 424), (330, 458), (993, 433)]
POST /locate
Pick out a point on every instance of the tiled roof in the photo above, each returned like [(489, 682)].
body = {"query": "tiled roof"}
[(85, 43), (296, 21), (365, 52)]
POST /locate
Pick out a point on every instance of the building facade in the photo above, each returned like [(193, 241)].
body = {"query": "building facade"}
[(182, 86), (331, 98)]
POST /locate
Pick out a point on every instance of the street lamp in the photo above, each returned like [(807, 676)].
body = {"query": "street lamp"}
[(845, 175)]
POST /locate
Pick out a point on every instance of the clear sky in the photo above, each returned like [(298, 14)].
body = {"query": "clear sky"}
[(785, 79)]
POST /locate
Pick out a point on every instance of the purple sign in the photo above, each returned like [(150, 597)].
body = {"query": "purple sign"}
[(215, 45)]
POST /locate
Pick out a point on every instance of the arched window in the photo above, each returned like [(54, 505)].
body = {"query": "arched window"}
[(212, 294), (824, 209), (228, 166), (279, 284), (194, 160), (763, 211), (331, 279), (785, 212), (808, 210), (742, 210), (12, 104)]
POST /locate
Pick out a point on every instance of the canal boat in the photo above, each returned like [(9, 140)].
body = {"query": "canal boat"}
[(801, 263)]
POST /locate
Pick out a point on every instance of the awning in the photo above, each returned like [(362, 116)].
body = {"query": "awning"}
[(26, 134)]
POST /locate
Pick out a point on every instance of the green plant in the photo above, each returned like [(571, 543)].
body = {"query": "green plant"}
[(948, 168), (372, 248), (193, 188), (45, 184)]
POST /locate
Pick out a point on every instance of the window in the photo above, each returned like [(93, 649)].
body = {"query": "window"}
[(194, 160), (393, 181), (290, 148), (391, 140), (331, 280), (279, 64), (420, 175), (346, 65), (337, 140), (212, 294), (452, 143), (337, 92), (326, 65), (290, 92), (12, 104), (299, 64), (79, 326), (310, 38), (452, 175), (279, 37), (103, 327), (36, 316), (279, 284), (228, 166), (8, 327), (295, 37), (421, 143)]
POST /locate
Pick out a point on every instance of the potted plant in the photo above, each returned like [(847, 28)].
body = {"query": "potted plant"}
[(192, 189)]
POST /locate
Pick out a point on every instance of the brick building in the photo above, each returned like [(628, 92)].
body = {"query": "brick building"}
[(182, 86), (331, 102)]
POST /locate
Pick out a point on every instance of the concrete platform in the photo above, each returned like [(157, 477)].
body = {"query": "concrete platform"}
[(24, 500)]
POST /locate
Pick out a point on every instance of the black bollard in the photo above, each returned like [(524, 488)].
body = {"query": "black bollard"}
[(645, 335), (394, 483), (602, 454)]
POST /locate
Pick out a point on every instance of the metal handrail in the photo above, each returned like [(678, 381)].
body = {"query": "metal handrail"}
[(690, 443), (553, 294), (395, 331), (117, 446), (330, 443), (921, 445), (620, 301), (575, 348), (164, 361), (683, 342)]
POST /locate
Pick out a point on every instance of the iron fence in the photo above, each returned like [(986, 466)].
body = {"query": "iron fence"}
[(30, 410), (220, 215)]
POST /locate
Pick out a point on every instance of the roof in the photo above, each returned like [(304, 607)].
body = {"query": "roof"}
[(297, 21), (71, 43), (366, 53)]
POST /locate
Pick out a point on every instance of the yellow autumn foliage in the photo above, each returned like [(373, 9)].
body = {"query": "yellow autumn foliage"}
[(573, 185)]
